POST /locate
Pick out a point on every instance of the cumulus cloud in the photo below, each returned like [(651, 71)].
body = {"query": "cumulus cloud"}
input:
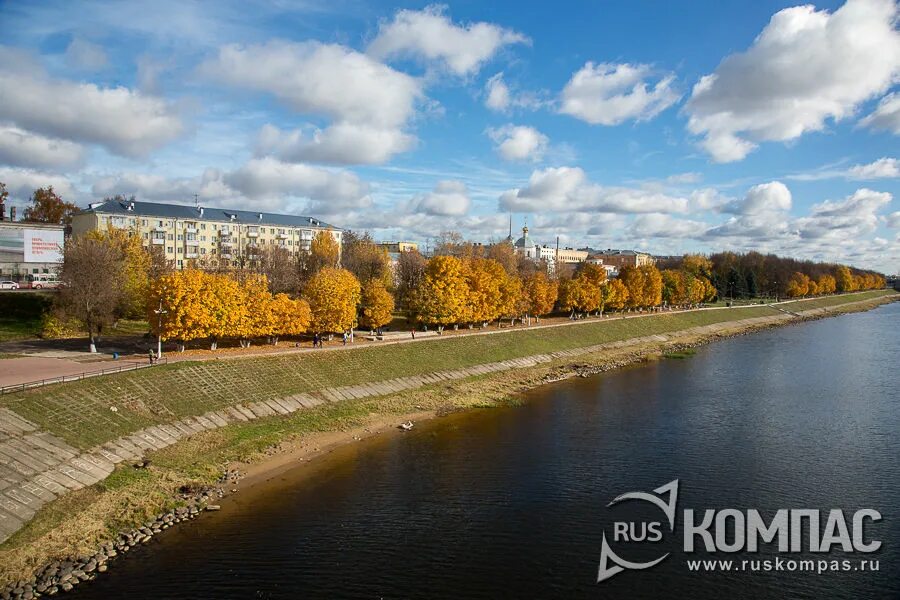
[(85, 55), (369, 102), (883, 168), (886, 116), (496, 93), (330, 191), (610, 94), (122, 120), (341, 143), (805, 67), (263, 183), (25, 149), (761, 199), (431, 35), (518, 142), (449, 198), (893, 220), (568, 189), (657, 225), (21, 183), (854, 216)]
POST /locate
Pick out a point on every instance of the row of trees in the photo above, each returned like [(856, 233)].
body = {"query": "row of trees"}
[(843, 280)]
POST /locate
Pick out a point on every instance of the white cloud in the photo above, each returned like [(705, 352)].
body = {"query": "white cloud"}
[(656, 225), (330, 191), (762, 198), (497, 91), (369, 102), (683, 178), (122, 120), (449, 198), (568, 189), (805, 67), (157, 188), (847, 219), (341, 143), (518, 142), (886, 115), (610, 94), (893, 220), (20, 183), (431, 34), (25, 149), (85, 55), (883, 168)]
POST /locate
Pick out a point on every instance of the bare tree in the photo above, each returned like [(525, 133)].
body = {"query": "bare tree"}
[(92, 284), (280, 268), (409, 275)]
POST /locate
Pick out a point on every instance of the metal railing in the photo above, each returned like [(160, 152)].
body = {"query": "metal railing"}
[(121, 368)]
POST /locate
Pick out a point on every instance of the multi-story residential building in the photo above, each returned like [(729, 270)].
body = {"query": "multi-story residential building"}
[(622, 258), (216, 236), (398, 247)]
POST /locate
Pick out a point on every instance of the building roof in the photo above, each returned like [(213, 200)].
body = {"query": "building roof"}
[(524, 241), (192, 213)]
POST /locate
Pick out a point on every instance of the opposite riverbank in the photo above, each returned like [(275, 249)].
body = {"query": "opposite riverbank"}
[(77, 523)]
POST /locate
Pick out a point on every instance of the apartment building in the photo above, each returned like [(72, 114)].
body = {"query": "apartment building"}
[(622, 258), (215, 236)]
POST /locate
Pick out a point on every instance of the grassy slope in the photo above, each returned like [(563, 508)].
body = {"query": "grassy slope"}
[(828, 301), (80, 411)]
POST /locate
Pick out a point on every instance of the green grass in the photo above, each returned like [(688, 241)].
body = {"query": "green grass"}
[(80, 412), (20, 314), (680, 354), (828, 301)]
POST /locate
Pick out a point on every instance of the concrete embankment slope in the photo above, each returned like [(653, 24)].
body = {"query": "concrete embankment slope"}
[(66, 437)]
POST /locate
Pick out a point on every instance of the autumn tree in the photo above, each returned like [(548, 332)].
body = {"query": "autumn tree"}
[(593, 278), (48, 207), (324, 252), (826, 284), (505, 254), (409, 276), (289, 316), (333, 295), (674, 291), (279, 266), (644, 285), (92, 284), (137, 265), (441, 298), (184, 316), (366, 259), (798, 285), (223, 302), (540, 293), (484, 277), (844, 280), (616, 295), (512, 302), (377, 305), (257, 318)]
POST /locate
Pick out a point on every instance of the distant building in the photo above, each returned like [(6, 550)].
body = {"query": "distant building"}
[(611, 270), (229, 237), (526, 246), (28, 249), (621, 258), (397, 247)]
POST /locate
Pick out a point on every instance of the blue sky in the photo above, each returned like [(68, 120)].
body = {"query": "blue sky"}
[(663, 126)]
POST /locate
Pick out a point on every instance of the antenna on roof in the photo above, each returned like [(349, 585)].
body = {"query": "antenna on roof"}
[(197, 201)]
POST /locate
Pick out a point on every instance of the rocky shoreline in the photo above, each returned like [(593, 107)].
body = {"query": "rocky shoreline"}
[(63, 575)]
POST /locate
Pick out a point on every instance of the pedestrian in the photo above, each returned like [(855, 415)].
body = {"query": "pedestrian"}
[(316, 340), (152, 355), (413, 332), (345, 338)]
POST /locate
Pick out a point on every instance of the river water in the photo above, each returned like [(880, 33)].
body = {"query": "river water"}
[(512, 503)]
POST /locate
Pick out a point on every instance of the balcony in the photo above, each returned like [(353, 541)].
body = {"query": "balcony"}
[(253, 234), (283, 236), (190, 229), (225, 255), (191, 254), (158, 240)]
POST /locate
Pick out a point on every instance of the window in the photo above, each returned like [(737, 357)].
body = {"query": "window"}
[(35, 271), (179, 264), (202, 238), (143, 222), (159, 223), (171, 237), (46, 270), (180, 238), (169, 250), (203, 226), (202, 250), (179, 249)]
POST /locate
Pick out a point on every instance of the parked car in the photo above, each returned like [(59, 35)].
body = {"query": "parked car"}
[(44, 282), (9, 285)]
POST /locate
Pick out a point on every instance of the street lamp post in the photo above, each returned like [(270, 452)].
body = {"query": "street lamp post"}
[(159, 314)]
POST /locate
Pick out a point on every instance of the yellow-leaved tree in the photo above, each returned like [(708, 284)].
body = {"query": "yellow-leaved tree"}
[(136, 265), (511, 302), (675, 288), (184, 316), (377, 305), (441, 297), (333, 295), (844, 281), (484, 277), (289, 316), (258, 319), (798, 285), (225, 307), (616, 295), (593, 278), (540, 294)]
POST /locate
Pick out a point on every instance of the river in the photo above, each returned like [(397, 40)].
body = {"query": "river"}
[(512, 502)]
